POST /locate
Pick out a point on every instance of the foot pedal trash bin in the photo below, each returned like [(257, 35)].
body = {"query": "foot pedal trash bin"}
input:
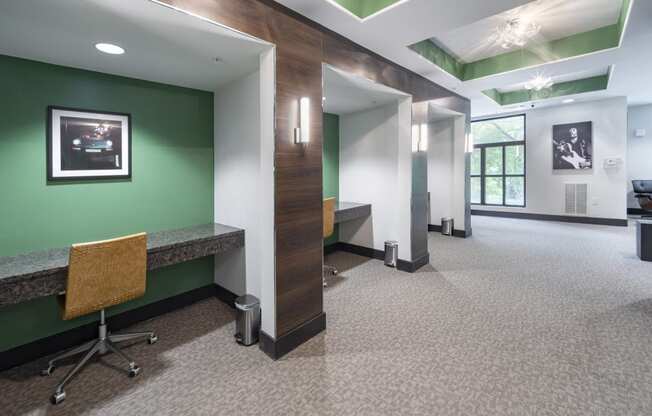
[(247, 323)]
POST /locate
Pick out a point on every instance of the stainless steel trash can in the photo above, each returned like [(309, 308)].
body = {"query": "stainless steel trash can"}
[(391, 253), (447, 226), (247, 323)]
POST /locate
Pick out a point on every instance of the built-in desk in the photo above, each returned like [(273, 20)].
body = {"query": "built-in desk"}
[(348, 211), (43, 273)]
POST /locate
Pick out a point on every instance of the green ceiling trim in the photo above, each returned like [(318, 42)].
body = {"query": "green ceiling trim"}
[(579, 86), (439, 57), (572, 46), (365, 8), (596, 40)]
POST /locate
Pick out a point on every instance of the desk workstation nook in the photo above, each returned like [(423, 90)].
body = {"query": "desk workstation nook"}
[(170, 133), (372, 170)]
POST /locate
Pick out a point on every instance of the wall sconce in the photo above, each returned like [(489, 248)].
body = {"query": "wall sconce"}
[(302, 133), (470, 143), (420, 137)]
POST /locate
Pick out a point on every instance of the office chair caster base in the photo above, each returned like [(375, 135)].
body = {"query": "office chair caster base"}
[(134, 371), (153, 339), (48, 371), (58, 397)]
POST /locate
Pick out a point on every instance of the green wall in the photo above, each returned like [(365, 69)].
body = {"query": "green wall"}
[(331, 163), (171, 185)]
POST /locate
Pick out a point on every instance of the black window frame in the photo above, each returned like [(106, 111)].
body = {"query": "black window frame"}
[(503, 175)]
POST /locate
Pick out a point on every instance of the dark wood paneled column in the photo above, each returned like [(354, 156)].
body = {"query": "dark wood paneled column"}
[(301, 47)]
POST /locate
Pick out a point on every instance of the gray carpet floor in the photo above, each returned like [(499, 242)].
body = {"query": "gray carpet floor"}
[(524, 318)]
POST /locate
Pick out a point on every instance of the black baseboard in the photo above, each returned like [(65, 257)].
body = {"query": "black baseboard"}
[(637, 211), (330, 249), (277, 348), (546, 217), (68, 339), (413, 266), (372, 253), (456, 233)]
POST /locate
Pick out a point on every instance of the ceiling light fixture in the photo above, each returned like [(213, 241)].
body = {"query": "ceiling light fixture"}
[(109, 48), (539, 82), (517, 32), (568, 101)]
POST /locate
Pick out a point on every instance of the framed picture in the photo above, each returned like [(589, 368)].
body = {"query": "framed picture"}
[(85, 144), (572, 146)]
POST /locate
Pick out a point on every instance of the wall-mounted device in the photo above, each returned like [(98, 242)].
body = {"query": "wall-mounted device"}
[(612, 162), (639, 133), (302, 133)]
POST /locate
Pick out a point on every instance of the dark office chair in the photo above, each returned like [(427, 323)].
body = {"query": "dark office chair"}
[(643, 192)]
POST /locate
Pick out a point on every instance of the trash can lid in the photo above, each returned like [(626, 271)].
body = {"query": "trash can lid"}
[(391, 243), (246, 302), (446, 218)]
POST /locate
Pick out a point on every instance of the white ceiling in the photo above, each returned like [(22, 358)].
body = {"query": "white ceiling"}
[(558, 19), (346, 93), (162, 44), (389, 34)]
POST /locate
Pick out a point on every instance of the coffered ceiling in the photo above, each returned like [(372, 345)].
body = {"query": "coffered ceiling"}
[(589, 48)]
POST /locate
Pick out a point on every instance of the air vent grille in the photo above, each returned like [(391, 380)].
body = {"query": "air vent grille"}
[(577, 198)]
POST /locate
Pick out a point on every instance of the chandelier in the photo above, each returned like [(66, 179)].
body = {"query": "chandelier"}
[(538, 83), (517, 33)]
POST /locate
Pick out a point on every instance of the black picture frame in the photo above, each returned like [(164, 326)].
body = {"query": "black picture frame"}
[(51, 171), (572, 146)]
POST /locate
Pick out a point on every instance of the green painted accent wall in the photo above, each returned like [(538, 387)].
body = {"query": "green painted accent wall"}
[(171, 187), (331, 163), (536, 54), (365, 8), (579, 86)]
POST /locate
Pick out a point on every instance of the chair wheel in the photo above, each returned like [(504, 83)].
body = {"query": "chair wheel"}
[(48, 371), (58, 397), (334, 272), (134, 371), (152, 340)]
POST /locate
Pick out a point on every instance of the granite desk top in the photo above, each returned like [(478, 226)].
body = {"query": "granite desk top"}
[(43, 273), (348, 211)]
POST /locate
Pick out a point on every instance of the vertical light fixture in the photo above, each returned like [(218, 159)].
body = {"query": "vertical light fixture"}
[(470, 143), (415, 138), (423, 138), (420, 137), (302, 133)]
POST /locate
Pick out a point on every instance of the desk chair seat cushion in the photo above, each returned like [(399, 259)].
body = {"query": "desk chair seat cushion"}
[(105, 273)]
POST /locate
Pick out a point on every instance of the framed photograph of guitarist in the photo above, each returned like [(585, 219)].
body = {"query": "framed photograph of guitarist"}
[(572, 146)]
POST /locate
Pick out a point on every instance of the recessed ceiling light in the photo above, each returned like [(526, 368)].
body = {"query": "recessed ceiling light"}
[(568, 100), (109, 48)]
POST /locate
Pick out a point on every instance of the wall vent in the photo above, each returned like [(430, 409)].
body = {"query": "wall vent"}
[(577, 198)]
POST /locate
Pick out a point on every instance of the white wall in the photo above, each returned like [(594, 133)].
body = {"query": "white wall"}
[(376, 168), (607, 187), (244, 184), (446, 170), (639, 149)]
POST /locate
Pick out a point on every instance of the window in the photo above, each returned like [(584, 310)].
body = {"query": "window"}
[(498, 161)]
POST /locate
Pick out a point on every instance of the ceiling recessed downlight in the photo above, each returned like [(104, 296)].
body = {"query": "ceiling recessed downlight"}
[(109, 48), (568, 101)]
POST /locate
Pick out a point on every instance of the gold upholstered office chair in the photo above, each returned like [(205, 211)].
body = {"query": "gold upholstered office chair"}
[(102, 274), (329, 228)]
